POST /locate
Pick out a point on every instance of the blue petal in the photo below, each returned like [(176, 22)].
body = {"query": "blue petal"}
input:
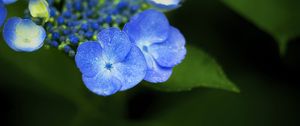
[(148, 27), (8, 1), (132, 70), (87, 58), (23, 35), (170, 52), (115, 44), (165, 4), (3, 13), (102, 84), (158, 74)]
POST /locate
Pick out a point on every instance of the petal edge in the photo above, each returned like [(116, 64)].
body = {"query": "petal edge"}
[(172, 51)]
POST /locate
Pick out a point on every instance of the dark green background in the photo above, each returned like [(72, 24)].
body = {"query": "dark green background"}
[(250, 57)]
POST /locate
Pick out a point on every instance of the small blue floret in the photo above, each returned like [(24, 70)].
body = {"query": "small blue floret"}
[(89, 34), (67, 14), (122, 5), (74, 39), (60, 20), (52, 12), (55, 35), (66, 31), (108, 19), (67, 49), (78, 5), (95, 26), (85, 27), (54, 43)]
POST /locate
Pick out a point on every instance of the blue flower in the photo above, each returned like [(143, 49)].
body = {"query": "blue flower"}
[(111, 64), (23, 35), (162, 45), (165, 4)]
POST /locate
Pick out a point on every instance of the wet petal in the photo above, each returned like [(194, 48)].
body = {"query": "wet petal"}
[(88, 58), (132, 70), (172, 51), (102, 84), (115, 44), (158, 74), (148, 27)]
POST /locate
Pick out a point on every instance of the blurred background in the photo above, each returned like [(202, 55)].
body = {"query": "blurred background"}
[(250, 57)]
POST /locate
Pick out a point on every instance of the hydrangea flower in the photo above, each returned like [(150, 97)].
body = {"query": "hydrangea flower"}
[(111, 64), (165, 4), (162, 45), (109, 59), (23, 35)]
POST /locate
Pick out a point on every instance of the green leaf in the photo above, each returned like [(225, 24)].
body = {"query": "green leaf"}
[(280, 18), (198, 69), (49, 68), (48, 71)]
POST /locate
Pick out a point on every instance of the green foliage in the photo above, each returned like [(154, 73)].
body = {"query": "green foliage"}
[(46, 70), (197, 70), (280, 18), (50, 72)]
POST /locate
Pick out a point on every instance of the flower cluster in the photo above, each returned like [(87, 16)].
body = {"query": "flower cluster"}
[(78, 21), (116, 43)]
